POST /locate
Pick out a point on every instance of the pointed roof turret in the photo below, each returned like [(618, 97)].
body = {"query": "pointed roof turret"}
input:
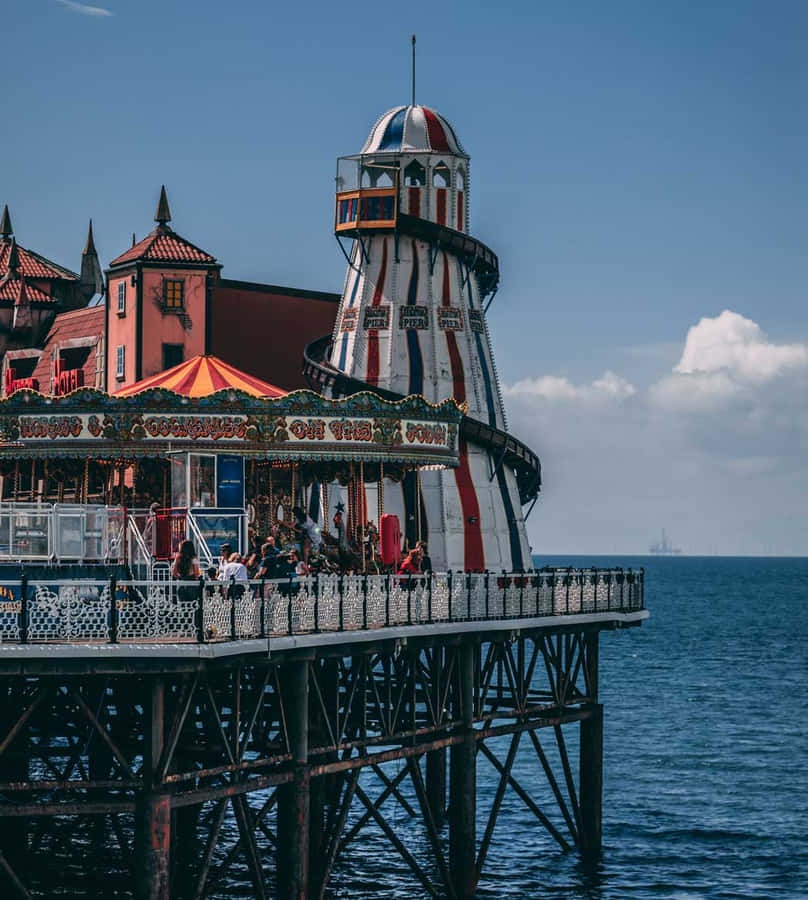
[(5, 224), (89, 247), (13, 261), (163, 214), (92, 279)]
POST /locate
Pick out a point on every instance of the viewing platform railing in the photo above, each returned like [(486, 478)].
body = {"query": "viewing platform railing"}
[(45, 611)]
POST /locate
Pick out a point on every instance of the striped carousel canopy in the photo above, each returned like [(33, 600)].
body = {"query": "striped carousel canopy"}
[(203, 375)]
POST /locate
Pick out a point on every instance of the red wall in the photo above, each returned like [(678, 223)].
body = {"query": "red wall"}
[(263, 329)]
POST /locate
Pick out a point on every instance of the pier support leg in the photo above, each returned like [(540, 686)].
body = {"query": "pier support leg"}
[(463, 782), (153, 812), (293, 797), (13, 768), (591, 758), (436, 783), (591, 788), (436, 759)]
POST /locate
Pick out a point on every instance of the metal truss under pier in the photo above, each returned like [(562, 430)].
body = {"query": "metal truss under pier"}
[(259, 768)]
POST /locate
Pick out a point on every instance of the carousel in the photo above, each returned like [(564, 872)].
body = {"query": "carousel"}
[(203, 452)]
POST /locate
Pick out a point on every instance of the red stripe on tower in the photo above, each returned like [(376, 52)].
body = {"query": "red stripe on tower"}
[(458, 375), (437, 136), (373, 335), (473, 554)]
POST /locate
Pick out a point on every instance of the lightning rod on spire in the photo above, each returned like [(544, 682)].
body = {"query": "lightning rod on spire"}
[(413, 70)]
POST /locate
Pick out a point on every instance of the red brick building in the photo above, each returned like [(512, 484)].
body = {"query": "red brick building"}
[(164, 301)]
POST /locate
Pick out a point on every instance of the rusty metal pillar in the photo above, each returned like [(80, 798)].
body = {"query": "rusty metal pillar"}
[(591, 758), (436, 759), (14, 767), (293, 797), (463, 781), (153, 812)]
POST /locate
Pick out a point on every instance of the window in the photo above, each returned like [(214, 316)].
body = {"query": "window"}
[(441, 176), (173, 293), (121, 298), (347, 211), (377, 208), (414, 175), (173, 355), (120, 362)]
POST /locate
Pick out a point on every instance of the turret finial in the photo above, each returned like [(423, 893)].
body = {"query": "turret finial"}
[(163, 214), (5, 224)]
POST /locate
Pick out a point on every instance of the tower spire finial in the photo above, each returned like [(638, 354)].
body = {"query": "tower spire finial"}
[(413, 70), (5, 224), (163, 214)]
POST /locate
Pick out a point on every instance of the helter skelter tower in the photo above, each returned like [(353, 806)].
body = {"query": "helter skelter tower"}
[(412, 321)]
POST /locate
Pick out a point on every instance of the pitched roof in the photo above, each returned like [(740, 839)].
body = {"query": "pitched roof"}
[(203, 375), (164, 245), (78, 323), (18, 289), (32, 265)]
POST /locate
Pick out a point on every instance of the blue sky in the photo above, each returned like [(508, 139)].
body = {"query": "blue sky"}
[(637, 166)]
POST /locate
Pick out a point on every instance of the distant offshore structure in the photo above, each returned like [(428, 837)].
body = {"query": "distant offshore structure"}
[(664, 547)]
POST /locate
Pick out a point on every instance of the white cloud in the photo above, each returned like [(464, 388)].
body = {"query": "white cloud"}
[(713, 450), (84, 10), (726, 360), (736, 344), (552, 388)]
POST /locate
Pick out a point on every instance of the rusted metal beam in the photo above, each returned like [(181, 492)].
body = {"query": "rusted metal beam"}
[(525, 797), (396, 842), (495, 807)]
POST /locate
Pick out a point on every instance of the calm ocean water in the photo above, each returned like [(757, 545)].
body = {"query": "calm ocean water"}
[(705, 792)]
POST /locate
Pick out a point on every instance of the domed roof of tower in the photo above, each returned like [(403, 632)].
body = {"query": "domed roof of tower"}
[(413, 129)]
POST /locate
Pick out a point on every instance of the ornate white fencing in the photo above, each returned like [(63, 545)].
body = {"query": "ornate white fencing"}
[(207, 611)]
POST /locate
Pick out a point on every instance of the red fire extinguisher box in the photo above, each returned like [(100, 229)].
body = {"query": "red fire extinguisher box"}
[(390, 540)]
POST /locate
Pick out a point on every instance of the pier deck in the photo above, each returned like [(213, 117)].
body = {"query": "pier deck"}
[(252, 739)]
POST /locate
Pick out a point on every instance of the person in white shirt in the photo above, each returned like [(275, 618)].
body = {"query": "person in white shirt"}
[(234, 570)]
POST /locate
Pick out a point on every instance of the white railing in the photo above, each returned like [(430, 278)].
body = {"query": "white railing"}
[(35, 611), (39, 532)]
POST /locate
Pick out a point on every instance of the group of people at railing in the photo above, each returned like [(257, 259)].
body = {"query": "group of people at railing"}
[(300, 550)]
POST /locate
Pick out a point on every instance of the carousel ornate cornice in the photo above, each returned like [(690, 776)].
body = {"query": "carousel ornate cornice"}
[(299, 426)]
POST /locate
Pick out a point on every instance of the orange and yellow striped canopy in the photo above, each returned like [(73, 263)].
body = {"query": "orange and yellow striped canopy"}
[(201, 376)]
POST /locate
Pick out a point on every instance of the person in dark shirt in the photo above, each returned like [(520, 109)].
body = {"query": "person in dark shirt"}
[(269, 560), (426, 562)]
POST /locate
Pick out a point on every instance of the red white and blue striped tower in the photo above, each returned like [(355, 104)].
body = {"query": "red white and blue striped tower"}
[(411, 321)]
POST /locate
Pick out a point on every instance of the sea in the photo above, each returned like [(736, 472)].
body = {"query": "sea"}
[(705, 753)]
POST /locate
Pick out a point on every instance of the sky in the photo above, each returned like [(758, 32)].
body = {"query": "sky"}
[(640, 169)]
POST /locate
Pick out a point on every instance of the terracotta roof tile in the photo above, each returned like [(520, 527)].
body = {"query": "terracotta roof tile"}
[(33, 265), (164, 245), (10, 290), (78, 323)]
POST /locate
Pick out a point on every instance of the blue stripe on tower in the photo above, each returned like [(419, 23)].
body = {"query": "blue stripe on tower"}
[(394, 132), (413, 344), (489, 392), (343, 352), (517, 562)]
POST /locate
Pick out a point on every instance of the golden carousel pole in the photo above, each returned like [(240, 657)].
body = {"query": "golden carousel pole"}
[(418, 500), (362, 525)]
